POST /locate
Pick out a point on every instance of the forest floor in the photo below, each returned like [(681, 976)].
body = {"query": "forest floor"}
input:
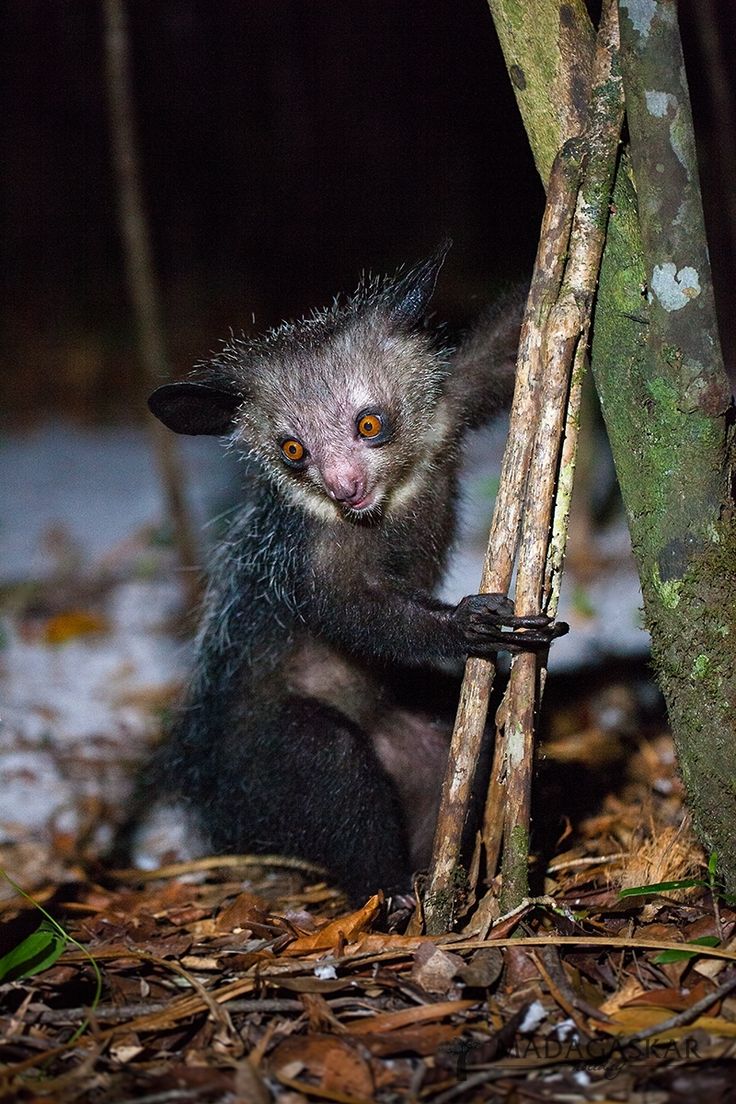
[(241, 979)]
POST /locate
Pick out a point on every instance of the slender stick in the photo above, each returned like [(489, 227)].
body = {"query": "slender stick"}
[(561, 195), (498, 564), (519, 707), (142, 283), (515, 733), (541, 555)]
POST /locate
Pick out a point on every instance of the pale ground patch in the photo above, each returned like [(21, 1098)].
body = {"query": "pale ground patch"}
[(77, 716)]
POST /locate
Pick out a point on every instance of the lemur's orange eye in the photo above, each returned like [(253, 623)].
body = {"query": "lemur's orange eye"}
[(294, 451), (369, 425)]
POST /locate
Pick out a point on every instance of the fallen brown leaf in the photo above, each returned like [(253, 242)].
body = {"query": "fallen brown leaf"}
[(346, 929)]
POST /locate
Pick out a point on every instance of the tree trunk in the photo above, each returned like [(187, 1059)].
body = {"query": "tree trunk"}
[(672, 432), (660, 377)]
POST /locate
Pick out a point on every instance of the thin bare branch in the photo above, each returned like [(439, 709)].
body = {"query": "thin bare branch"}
[(565, 341), (499, 560), (142, 284)]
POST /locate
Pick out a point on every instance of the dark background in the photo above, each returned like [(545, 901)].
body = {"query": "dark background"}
[(286, 145)]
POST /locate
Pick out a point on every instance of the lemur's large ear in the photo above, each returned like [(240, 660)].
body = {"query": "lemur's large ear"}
[(195, 408), (410, 296)]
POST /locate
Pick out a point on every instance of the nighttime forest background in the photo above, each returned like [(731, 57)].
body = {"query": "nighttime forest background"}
[(285, 147)]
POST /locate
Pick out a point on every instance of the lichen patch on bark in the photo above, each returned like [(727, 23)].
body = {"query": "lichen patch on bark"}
[(674, 287)]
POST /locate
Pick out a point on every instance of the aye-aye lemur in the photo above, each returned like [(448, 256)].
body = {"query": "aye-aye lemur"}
[(308, 729)]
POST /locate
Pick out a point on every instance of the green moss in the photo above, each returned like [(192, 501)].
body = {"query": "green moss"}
[(460, 877), (439, 910), (721, 556), (533, 46), (672, 354), (670, 592), (665, 393), (515, 885), (701, 667), (681, 141)]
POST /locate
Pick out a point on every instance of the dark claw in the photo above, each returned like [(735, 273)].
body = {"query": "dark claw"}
[(540, 622), (533, 642), (526, 641), (560, 629), (532, 621), (489, 625), (543, 636)]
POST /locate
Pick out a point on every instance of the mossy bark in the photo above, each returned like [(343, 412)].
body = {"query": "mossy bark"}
[(667, 407), (548, 47), (663, 390)]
